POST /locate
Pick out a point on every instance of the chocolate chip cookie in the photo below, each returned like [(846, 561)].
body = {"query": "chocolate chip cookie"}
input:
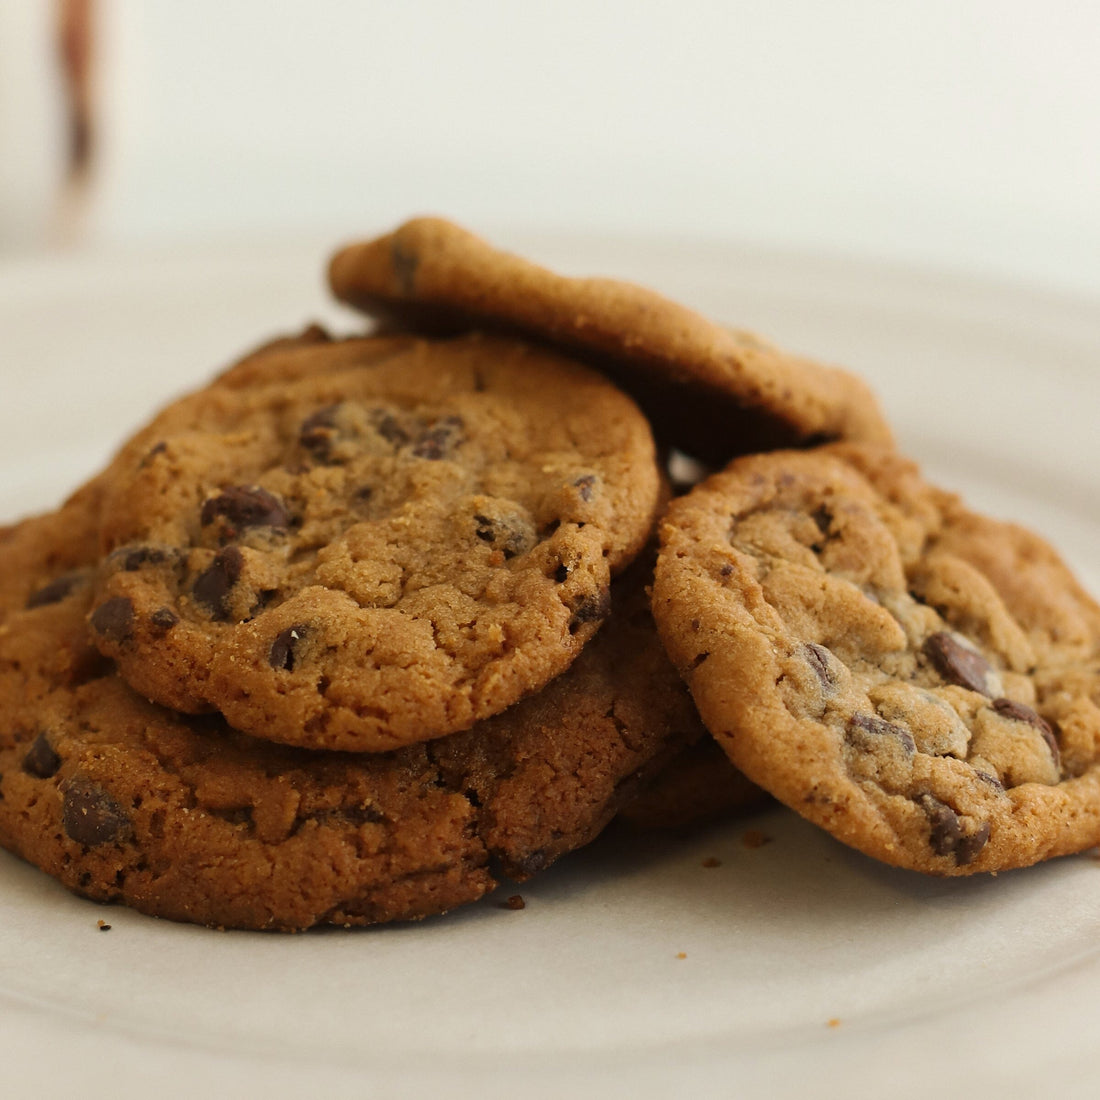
[(710, 391), (360, 544), (182, 817), (920, 680)]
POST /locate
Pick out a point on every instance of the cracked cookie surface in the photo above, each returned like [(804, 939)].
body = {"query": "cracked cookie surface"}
[(361, 544), (713, 392), (181, 817), (920, 680)]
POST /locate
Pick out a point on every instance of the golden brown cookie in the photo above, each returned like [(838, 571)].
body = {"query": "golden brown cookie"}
[(362, 544), (920, 680), (181, 817), (711, 391)]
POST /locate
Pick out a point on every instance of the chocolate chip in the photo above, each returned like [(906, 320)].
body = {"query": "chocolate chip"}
[(990, 780), (90, 816), (592, 609), (561, 574), (818, 658), (440, 438), (281, 655), (216, 581), (164, 618), (41, 761), (386, 425), (132, 558), (509, 534), (970, 845), (317, 432), (872, 724), (54, 592), (823, 517), (946, 836), (243, 506), (114, 619), (946, 829), (1017, 712), (586, 487), (957, 663)]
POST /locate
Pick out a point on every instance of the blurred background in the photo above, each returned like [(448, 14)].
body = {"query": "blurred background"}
[(955, 134)]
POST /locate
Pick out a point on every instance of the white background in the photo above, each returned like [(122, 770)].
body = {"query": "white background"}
[(959, 134)]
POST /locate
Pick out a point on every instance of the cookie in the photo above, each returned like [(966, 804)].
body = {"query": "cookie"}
[(710, 391), (181, 817), (367, 543), (919, 680), (697, 786)]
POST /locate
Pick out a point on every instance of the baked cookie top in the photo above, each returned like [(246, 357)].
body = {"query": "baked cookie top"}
[(920, 680), (184, 818), (361, 544), (713, 392)]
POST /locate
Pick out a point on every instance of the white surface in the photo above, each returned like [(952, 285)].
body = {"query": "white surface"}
[(957, 132), (977, 986)]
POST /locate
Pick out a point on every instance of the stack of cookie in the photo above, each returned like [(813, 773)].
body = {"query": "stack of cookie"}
[(364, 625)]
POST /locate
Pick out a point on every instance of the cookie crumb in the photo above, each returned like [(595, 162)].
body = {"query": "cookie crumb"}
[(514, 902), (754, 838), (681, 955), (834, 1022), (103, 926), (712, 861)]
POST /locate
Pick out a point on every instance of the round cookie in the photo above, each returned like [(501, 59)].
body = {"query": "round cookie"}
[(181, 817), (367, 543), (919, 680), (697, 786), (710, 391)]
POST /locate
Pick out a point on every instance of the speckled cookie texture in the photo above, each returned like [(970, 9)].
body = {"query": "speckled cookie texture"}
[(360, 544), (181, 817), (710, 391), (920, 680)]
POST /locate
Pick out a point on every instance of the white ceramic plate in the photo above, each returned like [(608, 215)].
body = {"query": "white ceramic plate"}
[(793, 968)]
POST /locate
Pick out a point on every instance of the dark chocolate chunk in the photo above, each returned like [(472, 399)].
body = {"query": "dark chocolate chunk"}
[(506, 534), (90, 816), (860, 724), (586, 487), (946, 829), (957, 663), (970, 844), (818, 658), (822, 516), (440, 438), (54, 592), (386, 425), (281, 655), (216, 581), (1018, 712), (243, 506), (592, 609), (134, 557), (561, 574), (318, 431), (946, 836), (164, 618), (114, 619), (41, 761)]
